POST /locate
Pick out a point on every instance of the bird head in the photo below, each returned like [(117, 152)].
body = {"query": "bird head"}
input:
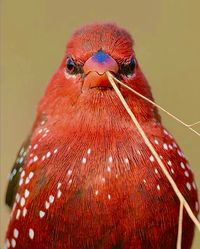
[(92, 51), (96, 49)]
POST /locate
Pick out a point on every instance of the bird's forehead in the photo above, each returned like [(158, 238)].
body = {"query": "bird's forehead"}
[(108, 37)]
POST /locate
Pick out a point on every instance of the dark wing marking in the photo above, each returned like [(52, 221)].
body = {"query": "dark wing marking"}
[(15, 173)]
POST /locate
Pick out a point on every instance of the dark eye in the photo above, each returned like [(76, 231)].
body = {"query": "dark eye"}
[(72, 67), (128, 69)]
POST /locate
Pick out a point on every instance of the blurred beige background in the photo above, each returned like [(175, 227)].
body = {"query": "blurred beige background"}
[(33, 37)]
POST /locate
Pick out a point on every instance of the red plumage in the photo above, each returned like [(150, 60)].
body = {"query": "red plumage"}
[(87, 179)]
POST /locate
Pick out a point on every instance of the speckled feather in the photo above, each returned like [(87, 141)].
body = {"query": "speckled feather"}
[(89, 180)]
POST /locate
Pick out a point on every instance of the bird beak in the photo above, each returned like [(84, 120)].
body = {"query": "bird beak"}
[(95, 69)]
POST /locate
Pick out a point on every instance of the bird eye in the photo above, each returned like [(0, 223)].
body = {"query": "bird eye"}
[(72, 67), (128, 69)]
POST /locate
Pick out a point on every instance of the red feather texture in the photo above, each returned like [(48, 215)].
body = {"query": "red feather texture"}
[(89, 180)]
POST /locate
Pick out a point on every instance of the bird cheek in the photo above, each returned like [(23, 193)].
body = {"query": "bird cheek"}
[(71, 85), (70, 76)]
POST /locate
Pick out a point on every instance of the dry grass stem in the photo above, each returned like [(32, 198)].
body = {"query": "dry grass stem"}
[(180, 226), (154, 153), (189, 126)]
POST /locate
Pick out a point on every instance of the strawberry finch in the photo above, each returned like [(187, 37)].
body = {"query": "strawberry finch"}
[(84, 178)]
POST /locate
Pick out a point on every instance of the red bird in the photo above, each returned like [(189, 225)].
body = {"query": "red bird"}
[(84, 178)]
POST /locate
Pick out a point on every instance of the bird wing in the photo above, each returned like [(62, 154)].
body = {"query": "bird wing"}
[(16, 172)]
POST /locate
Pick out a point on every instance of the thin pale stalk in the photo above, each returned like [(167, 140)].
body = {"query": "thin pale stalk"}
[(189, 126), (180, 226), (196, 123), (154, 153)]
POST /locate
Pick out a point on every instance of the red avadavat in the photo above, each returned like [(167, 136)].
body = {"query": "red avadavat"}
[(85, 179)]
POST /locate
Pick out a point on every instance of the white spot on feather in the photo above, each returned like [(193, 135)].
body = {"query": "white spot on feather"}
[(126, 160), (26, 193), (151, 158), (194, 185), (24, 212), (186, 173), (182, 165), (15, 233), (89, 151), (55, 151), (69, 172), (59, 194), (110, 159), (47, 205), (179, 153), (40, 131), (13, 243), (18, 214), (22, 174), (21, 181), (84, 160), (51, 198), (17, 197), (35, 146), (108, 169), (22, 202), (21, 151), (156, 141), (188, 185), (31, 233), (139, 153), (59, 185), (35, 158), (158, 187), (165, 146), (165, 132), (41, 214), (27, 180), (169, 163), (31, 174), (48, 154), (103, 179)]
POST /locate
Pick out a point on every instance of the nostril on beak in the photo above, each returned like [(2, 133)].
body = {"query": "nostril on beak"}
[(100, 63)]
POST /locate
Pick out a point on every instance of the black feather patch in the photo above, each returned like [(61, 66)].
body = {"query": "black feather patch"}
[(15, 173)]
